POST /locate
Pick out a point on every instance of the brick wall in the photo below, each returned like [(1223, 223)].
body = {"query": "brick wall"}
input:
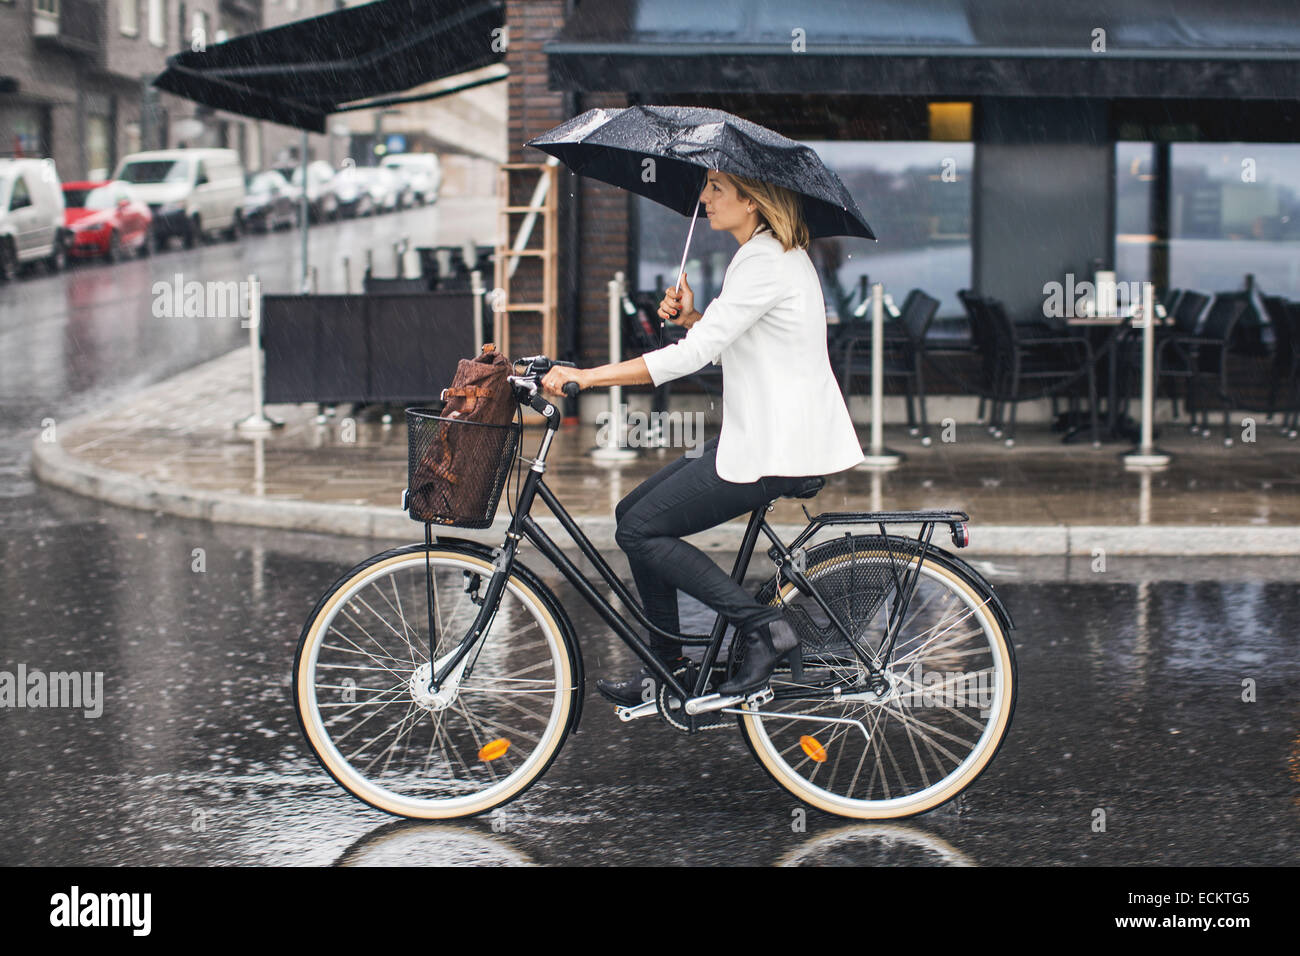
[(603, 224)]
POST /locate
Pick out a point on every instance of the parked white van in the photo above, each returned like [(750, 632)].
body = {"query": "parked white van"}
[(192, 192), (422, 171), (31, 216)]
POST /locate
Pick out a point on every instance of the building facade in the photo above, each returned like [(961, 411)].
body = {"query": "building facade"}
[(998, 146), (75, 74)]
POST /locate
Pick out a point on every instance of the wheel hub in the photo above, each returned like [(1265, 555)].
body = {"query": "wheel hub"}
[(433, 701)]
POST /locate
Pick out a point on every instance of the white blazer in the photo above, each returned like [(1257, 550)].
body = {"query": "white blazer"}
[(782, 411)]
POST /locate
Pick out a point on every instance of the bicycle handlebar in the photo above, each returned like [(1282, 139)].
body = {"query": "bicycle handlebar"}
[(527, 381), (535, 367)]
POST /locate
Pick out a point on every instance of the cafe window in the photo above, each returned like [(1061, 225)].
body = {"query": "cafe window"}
[(1234, 209), (915, 195), (1134, 187)]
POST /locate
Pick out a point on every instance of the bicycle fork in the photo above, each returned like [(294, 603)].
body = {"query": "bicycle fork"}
[(501, 566)]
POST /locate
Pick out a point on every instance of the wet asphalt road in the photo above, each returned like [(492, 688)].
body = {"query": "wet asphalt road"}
[(1130, 698)]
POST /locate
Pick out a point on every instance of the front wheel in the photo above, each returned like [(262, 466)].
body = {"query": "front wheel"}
[(361, 685), (921, 737)]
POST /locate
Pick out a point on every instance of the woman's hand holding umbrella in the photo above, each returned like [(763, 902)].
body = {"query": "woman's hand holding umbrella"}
[(678, 306)]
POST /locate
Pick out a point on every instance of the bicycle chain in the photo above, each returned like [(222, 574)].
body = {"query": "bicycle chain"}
[(680, 720)]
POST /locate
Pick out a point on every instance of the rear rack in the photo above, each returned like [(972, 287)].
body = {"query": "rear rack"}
[(955, 520), (791, 563)]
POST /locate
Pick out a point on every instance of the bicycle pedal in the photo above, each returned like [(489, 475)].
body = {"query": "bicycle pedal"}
[(626, 714), (759, 698)]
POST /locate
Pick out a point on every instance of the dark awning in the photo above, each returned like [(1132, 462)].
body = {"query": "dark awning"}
[(299, 73), (1153, 48)]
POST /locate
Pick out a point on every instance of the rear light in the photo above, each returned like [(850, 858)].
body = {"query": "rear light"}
[(960, 535)]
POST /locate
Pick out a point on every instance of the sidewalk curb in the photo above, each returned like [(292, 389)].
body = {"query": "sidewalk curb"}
[(54, 466)]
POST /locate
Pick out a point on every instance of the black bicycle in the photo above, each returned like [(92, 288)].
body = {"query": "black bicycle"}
[(440, 680)]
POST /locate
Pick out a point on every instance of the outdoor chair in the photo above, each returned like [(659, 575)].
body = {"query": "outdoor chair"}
[(1205, 360), (1172, 362), (1284, 385), (1033, 367), (904, 356)]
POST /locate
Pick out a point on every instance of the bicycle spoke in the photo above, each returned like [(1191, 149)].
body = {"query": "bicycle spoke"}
[(935, 706)]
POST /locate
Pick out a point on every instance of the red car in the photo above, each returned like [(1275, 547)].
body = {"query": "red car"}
[(106, 219)]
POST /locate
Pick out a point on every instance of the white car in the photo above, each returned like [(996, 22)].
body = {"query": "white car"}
[(322, 201), (353, 193), (192, 192), (422, 170), (383, 185), (31, 216)]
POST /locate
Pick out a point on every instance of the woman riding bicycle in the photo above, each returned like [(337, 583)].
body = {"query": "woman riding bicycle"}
[(783, 420)]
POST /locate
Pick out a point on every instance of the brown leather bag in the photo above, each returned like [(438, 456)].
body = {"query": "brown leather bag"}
[(457, 471)]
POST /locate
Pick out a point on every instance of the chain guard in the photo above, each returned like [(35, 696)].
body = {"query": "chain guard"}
[(677, 718)]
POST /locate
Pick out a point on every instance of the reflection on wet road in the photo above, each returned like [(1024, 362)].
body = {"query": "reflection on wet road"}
[(1130, 704)]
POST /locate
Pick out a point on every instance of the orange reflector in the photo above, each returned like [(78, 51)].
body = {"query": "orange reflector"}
[(494, 749), (813, 748)]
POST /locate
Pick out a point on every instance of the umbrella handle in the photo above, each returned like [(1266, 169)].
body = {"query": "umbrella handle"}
[(694, 216)]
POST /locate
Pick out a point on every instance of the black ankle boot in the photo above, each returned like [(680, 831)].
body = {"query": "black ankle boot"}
[(632, 690), (764, 646)]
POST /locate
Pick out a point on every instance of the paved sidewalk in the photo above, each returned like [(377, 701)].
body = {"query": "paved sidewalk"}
[(172, 448)]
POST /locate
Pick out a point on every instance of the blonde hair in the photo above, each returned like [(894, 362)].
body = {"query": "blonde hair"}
[(778, 208)]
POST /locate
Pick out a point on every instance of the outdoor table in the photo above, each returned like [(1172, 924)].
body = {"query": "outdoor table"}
[(1118, 324)]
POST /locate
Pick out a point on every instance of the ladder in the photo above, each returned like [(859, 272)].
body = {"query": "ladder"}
[(510, 253)]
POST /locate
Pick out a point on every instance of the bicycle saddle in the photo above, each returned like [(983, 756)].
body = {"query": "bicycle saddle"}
[(807, 488)]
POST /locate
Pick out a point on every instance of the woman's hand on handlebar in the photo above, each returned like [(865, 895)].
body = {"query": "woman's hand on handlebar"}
[(553, 382)]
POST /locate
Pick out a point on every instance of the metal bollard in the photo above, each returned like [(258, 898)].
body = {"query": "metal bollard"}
[(878, 456), (615, 447), (257, 422)]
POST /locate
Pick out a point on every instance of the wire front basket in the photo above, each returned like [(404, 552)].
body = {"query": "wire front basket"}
[(456, 468)]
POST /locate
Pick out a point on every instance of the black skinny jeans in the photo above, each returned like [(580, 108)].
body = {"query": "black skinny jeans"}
[(684, 498)]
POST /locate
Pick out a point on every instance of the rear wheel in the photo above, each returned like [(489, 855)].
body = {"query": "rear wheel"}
[(934, 725), (361, 686)]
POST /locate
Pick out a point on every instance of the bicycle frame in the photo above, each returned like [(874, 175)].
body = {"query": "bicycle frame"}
[(787, 558)]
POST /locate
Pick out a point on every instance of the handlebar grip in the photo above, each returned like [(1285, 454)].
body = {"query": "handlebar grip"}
[(571, 389)]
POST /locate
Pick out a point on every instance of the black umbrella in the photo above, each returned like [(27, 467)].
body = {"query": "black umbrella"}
[(686, 142)]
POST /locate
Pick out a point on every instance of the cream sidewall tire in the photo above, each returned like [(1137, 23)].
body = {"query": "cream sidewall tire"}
[(950, 786), (363, 789)]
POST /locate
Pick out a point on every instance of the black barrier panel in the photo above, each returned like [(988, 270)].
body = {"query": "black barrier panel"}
[(415, 343), (315, 348), (358, 348)]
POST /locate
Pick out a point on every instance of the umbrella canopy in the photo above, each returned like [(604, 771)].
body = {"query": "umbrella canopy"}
[(299, 73), (686, 141)]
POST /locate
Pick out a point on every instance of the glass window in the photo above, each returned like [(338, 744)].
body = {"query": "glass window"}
[(158, 22), (155, 171), (1134, 185), (99, 147), (1234, 209), (128, 17), (99, 198), (21, 196), (915, 195)]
